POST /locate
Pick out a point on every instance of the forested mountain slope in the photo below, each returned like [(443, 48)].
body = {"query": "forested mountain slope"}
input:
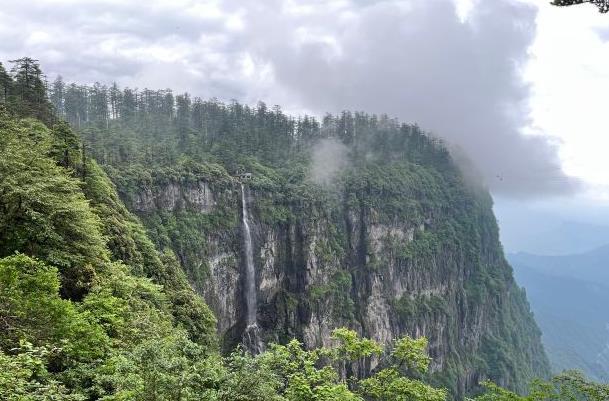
[(89, 310), (394, 242), (569, 296)]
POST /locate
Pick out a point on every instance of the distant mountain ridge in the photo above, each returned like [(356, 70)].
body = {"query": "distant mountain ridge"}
[(590, 266), (569, 297), (571, 238)]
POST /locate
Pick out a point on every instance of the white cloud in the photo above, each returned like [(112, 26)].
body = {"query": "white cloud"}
[(569, 74)]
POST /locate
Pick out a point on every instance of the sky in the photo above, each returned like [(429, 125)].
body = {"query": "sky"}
[(517, 87)]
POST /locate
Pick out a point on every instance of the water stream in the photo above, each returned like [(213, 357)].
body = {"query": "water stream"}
[(250, 273), (251, 337)]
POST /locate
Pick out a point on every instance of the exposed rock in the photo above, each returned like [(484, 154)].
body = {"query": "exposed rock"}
[(173, 196), (221, 289)]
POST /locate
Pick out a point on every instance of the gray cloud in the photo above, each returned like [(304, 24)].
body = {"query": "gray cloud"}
[(413, 59), (421, 63)]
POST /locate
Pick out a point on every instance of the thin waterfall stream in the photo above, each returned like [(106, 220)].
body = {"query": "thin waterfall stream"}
[(250, 273), (251, 336)]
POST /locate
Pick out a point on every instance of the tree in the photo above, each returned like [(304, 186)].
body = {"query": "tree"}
[(24, 377), (57, 96), (311, 375), (5, 84), (98, 103), (31, 310), (115, 100), (567, 386), (603, 5), (66, 145), (30, 90), (398, 382), (74, 105)]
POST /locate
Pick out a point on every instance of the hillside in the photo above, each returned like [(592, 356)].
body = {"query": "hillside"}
[(568, 295), (591, 266)]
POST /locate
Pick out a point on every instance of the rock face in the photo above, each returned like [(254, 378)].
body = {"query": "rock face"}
[(384, 263), (172, 196)]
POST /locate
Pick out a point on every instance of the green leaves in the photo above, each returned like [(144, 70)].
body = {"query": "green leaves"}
[(103, 330), (43, 213), (352, 348), (389, 385), (318, 374), (167, 368), (408, 356), (303, 375), (412, 354), (31, 309), (24, 377), (567, 386)]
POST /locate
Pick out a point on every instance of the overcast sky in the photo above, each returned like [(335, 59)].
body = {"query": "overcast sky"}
[(518, 85)]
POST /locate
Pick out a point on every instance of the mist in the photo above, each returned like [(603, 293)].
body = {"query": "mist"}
[(329, 157)]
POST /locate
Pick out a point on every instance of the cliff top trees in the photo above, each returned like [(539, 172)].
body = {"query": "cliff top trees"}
[(603, 5), (28, 94)]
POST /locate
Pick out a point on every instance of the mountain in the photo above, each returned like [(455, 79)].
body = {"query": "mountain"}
[(568, 295), (356, 221), (541, 230), (591, 266), (325, 251), (569, 238)]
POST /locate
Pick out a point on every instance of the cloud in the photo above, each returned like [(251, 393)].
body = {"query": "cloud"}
[(416, 60), (328, 158), (413, 59)]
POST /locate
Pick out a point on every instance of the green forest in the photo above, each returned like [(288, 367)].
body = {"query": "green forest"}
[(94, 305)]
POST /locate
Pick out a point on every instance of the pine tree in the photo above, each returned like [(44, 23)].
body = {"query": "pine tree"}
[(57, 96), (5, 84), (115, 100), (30, 90)]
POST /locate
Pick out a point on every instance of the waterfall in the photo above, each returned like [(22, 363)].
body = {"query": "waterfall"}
[(251, 337), (250, 273)]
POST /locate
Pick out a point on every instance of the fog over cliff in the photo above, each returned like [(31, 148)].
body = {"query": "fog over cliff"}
[(417, 60)]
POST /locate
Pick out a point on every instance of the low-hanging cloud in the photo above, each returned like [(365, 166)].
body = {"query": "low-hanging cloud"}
[(412, 59), (329, 157), (418, 61)]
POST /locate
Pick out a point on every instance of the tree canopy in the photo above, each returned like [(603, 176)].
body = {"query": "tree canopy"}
[(603, 5)]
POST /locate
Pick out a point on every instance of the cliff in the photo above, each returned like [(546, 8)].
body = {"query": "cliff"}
[(394, 242), (392, 247)]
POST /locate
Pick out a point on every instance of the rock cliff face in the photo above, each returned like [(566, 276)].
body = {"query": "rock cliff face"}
[(172, 196), (412, 253)]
